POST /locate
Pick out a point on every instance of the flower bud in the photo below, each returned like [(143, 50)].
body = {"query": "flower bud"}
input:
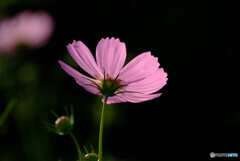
[(91, 157), (63, 125)]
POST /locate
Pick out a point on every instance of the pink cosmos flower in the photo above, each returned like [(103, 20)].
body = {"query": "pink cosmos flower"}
[(136, 82), (32, 29)]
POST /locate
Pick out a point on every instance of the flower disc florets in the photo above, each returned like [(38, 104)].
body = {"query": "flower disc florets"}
[(110, 87)]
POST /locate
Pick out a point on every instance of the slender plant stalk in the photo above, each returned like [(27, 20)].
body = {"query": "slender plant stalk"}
[(77, 146), (101, 130), (7, 110)]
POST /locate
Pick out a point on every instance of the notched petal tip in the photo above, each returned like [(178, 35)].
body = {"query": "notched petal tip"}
[(163, 73), (148, 53), (114, 39), (71, 44), (111, 39)]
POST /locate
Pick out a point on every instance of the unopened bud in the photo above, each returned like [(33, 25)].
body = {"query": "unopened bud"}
[(63, 125), (91, 157)]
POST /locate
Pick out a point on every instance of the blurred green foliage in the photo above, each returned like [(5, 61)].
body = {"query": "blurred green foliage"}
[(35, 88), (37, 84)]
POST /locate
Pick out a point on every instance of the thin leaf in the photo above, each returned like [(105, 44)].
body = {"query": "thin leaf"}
[(54, 113)]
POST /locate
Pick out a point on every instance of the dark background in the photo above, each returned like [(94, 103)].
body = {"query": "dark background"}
[(197, 44)]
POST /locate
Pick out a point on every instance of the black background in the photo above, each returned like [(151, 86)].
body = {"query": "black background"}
[(197, 44)]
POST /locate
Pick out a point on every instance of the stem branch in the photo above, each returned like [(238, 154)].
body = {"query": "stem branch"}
[(77, 146), (7, 111)]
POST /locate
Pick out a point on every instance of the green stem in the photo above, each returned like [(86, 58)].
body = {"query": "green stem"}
[(77, 146), (7, 110), (101, 130)]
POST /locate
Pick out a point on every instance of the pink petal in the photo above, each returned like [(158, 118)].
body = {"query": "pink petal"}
[(32, 29), (150, 84), (110, 55), (81, 79), (137, 98), (88, 86), (82, 55), (114, 99), (139, 68)]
